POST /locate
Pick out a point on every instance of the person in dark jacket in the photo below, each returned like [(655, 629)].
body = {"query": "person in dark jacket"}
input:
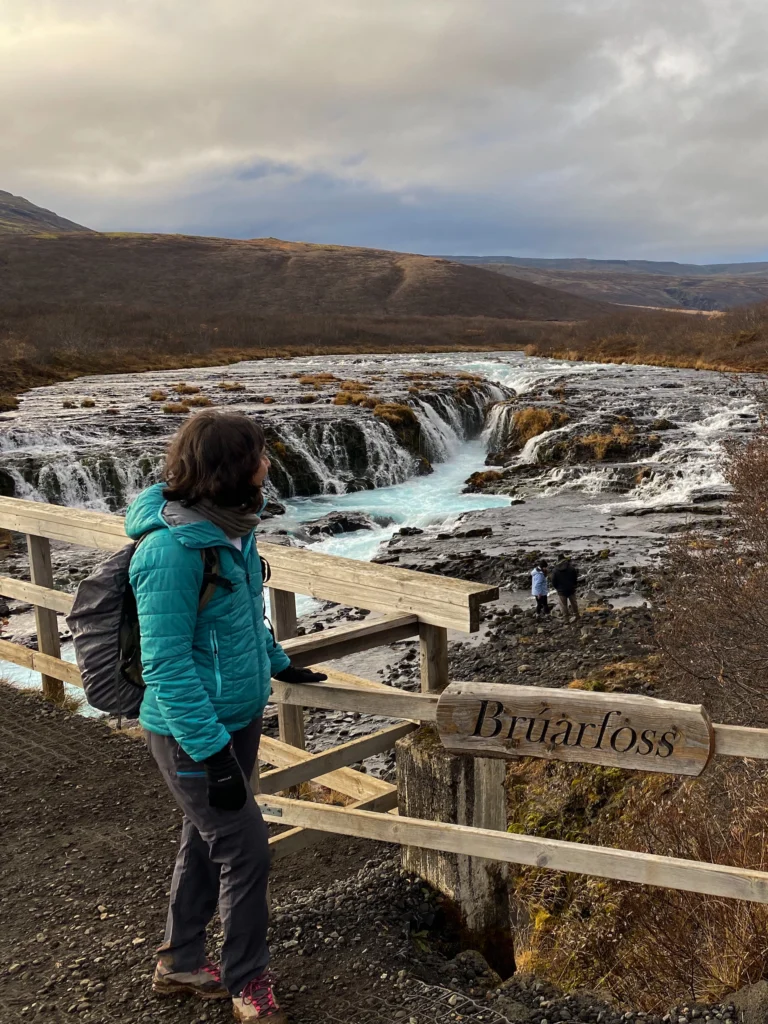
[(565, 579), (207, 671)]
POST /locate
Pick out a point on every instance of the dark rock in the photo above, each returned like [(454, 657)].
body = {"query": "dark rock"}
[(475, 531), (752, 1003), (273, 508), (340, 522), (408, 531)]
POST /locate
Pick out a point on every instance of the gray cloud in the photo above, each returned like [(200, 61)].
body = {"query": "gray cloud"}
[(602, 127)]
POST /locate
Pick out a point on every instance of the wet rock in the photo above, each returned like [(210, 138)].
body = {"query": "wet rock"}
[(273, 508), (339, 522)]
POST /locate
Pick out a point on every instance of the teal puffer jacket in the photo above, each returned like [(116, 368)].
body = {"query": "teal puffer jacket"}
[(207, 674)]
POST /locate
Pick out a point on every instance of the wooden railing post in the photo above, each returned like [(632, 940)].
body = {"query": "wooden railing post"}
[(290, 719), (41, 573), (433, 644)]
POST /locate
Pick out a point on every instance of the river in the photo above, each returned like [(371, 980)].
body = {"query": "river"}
[(98, 456)]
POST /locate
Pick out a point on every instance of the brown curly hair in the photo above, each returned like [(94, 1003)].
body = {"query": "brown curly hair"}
[(215, 456)]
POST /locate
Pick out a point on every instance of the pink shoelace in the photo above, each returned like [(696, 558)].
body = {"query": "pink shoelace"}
[(259, 993), (212, 970)]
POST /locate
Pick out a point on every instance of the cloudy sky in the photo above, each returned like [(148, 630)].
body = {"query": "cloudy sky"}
[(605, 128)]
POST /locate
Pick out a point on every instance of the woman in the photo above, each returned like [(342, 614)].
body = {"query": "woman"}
[(540, 588), (207, 661)]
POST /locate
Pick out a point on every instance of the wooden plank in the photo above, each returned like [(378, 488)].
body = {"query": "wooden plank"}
[(21, 590), (437, 599), (44, 663), (337, 757), (433, 650), (342, 640), (346, 781), (46, 622), (616, 729), (290, 719), (99, 530), (553, 854), (335, 695), (741, 741), (297, 839)]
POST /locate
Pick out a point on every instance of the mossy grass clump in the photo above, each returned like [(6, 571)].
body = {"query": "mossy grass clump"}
[(199, 401), (355, 398), (88, 403), (158, 395), (227, 385), (176, 408), (535, 420), (185, 389)]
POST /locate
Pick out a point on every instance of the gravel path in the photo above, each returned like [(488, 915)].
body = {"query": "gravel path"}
[(89, 836)]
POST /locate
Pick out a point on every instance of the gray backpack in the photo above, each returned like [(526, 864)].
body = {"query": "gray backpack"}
[(104, 624)]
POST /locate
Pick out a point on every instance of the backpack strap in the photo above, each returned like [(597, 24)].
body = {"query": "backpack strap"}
[(211, 577)]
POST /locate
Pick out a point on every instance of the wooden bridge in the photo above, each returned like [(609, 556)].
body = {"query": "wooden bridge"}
[(463, 850)]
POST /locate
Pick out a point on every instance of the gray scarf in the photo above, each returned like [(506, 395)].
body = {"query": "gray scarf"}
[(233, 521)]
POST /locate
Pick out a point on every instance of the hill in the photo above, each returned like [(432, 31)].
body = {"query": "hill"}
[(19, 216), (264, 276), (640, 282)]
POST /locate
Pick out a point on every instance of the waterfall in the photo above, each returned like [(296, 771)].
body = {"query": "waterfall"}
[(336, 455)]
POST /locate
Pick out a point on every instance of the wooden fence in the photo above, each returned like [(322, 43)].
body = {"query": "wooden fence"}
[(409, 604)]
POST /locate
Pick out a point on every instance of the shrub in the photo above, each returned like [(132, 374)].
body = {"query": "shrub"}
[(185, 389), (176, 408), (202, 401), (87, 403), (157, 395)]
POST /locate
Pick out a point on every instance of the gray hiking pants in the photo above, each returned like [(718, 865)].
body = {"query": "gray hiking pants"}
[(224, 859)]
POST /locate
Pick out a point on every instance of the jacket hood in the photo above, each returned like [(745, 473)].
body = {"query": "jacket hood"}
[(150, 511)]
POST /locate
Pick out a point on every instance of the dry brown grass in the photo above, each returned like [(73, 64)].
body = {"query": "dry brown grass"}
[(535, 420), (355, 398), (317, 380), (641, 945), (157, 395), (199, 401), (88, 403), (231, 386), (185, 389), (176, 408)]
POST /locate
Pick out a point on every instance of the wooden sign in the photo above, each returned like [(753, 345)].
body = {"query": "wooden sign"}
[(618, 729)]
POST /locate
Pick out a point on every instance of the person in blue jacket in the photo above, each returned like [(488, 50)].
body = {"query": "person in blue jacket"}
[(540, 588), (207, 664)]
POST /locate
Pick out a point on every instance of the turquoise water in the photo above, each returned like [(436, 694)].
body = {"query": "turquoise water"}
[(433, 500)]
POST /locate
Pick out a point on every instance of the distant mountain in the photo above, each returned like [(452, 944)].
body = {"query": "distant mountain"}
[(620, 266), (20, 217), (639, 282), (265, 276)]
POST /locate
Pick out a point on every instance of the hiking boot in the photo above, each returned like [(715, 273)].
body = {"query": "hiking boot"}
[(257, 1002), (205, 982)]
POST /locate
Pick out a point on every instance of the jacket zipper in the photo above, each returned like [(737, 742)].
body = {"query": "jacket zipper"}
[(216, 663)]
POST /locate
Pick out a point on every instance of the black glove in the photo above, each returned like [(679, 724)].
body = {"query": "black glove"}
[(299, 675), (226, 785)]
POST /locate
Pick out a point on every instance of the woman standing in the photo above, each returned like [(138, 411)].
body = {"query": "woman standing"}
[(540, 588), (207, 661)]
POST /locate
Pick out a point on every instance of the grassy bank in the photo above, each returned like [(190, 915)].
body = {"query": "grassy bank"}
[(735, 342), (44, 344)]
